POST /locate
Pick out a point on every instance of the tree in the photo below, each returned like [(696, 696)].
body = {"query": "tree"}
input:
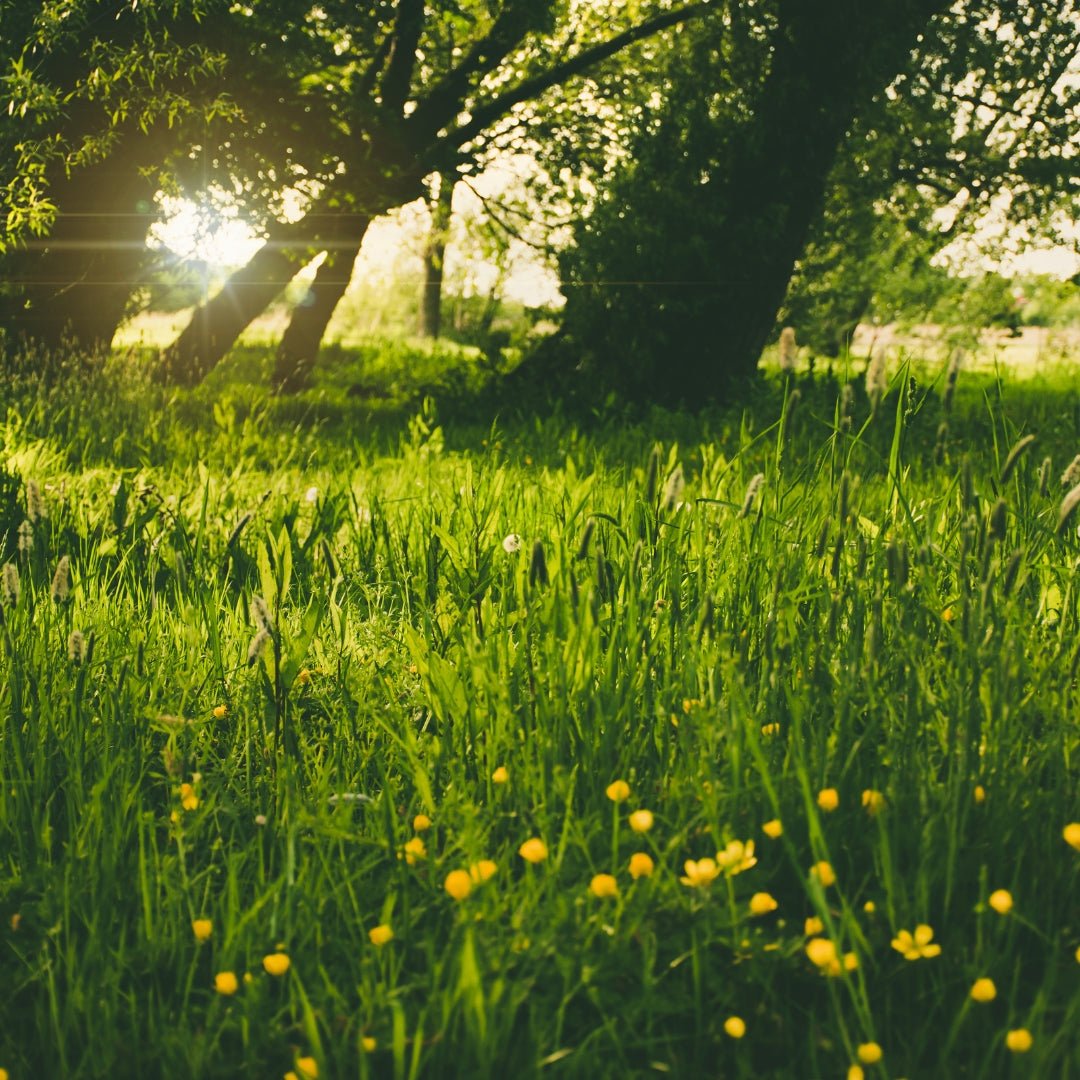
[(687, 257), (441, 207)]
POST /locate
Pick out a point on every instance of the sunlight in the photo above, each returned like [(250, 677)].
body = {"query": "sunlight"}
[(204, 232)]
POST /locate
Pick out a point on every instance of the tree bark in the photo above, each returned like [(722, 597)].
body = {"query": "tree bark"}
[(299, 347), (434, 258)]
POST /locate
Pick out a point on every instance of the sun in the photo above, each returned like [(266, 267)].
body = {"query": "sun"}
[(204, 232)]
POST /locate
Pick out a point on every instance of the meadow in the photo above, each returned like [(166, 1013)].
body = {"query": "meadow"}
[(350, 736)]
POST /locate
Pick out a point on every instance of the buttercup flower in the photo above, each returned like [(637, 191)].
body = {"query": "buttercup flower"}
[(202, 929), (1019, 1041), (983, 990), (813, 926), (276, 963), (421, 823), (1071, 832), (768, 730), (735, 1026), (188, 799), (641, 821), (304, 677), (641, 865), (415, 849), (308, 1068), (458, 884), (822, 953), (869, 1053), (979, 794), (855, 1072), (761, 903), (736, 857), (534, 850), (225, 982), (368, 1043), (917, 945), (220, 712), (604, 885), (500, 775), (618, 791), (824, 873), (773, 829), (828, 799), (380, 935), (481, 871), (873, 801), (700, 873), (1001, 901)]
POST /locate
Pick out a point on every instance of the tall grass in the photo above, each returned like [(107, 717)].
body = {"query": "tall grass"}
[(874, 650)]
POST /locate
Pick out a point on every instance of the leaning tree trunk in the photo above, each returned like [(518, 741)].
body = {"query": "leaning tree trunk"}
[(441, 209), (300, 343)]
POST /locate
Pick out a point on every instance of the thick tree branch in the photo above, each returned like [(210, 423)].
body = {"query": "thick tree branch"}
[(485, 115), (397, 81)]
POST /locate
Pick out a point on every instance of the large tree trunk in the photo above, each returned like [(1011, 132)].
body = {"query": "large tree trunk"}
[(441, 208), (300, 343)]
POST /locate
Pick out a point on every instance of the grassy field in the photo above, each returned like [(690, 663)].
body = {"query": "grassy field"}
[(351, 736)]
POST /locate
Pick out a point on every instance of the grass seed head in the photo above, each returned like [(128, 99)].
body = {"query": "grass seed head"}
[(1020, 448), (26, 538), (260, 613), (751, 492), (1071, 476), (788, 349), (61, 582), (10, 589), (1068, 505), (76, 647), (877, 381), (35, 505), (258, 643), (673, 489)]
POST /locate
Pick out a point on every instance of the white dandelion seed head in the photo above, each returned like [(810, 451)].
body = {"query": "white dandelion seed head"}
[(311, 495), (511, 543)]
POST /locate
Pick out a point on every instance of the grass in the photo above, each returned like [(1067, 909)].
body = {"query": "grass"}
[(888, 614)]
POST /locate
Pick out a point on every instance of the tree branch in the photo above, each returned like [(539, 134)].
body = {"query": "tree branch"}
[(408, 27)]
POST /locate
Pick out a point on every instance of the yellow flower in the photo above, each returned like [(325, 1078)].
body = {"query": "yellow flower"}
[(689, 703), (1001, 901), (534, 850), (769, 730), (735, 1026), (308, 1068), (828, 799), (421, 823), (500, 775), (618, 791), (948, 614), (1077, 954), (869, 1053), (202, 929), (824, 873), (916, 946), (736, 857), (220, 712), (761, 903), (851, 961), (855, 1072), (700, 873), (188, 799), (873, 802), (458, 884), (1071, 832), (415, 849), (1019, 1040), (3, 1074), (869, 907), (304, 677), (641, 865), (276, 963), (641, 821), (368, 1043), (773, 829), (822, 953), (380, 935), (979, 794), (604, 885), (813, 926), (481, 871), (290, 1075), (225, 982), (983, 990)]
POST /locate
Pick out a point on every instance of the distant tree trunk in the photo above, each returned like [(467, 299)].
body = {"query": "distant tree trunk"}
[(434, 256), (299, 346)]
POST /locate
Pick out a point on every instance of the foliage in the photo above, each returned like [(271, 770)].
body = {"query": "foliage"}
[(488, 627)]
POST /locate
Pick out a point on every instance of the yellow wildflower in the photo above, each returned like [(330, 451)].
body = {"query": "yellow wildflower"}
[(828, 799), (869, 907), (641, 821), (308, 1068), (202, 929), (736, 857), (1071, 832), (421, 823), (220, 712), (735, 1026), (188, 799), (415, 849), (813, 926), (304, 677), (500, 775), (604, 885), (983, 990), (851, 961), (368, 1043), (1019, 1040), (700, 873), (380, 935), (822, 953), (824, 873), (768, 730), (869, 1053), (225, 982), (855, 1072), (917, 945), (979, 794), (534, 850), (458, 884), (1001, 901), (481, 871), (873, 801), (618, 791), (276, 963), (761, 903), (773, 829), (641, 865)]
